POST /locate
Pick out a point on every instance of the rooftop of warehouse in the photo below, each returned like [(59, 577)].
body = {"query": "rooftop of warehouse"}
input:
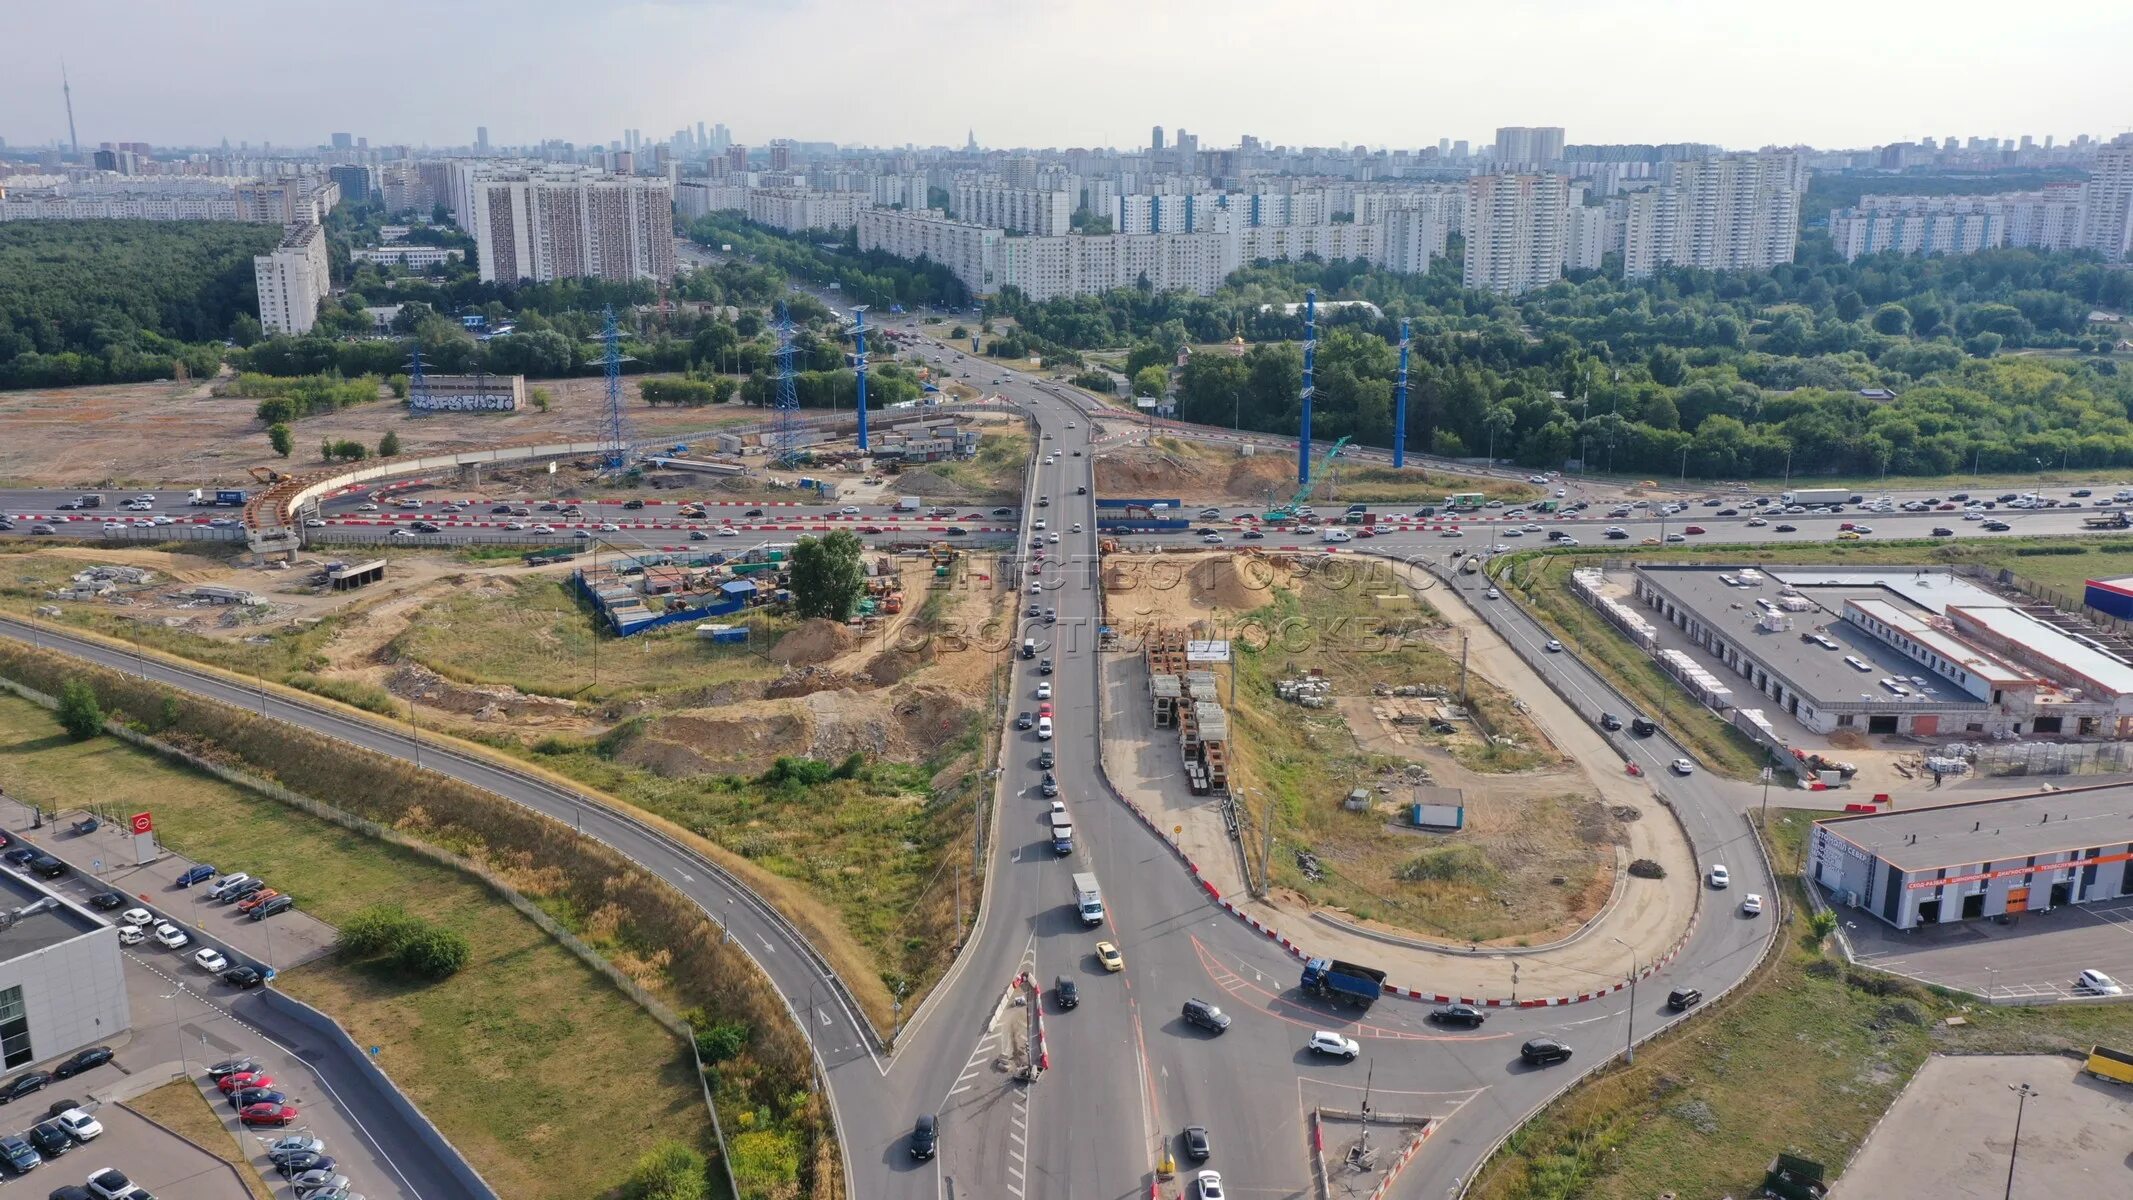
[(1980, 831), (49, 926)]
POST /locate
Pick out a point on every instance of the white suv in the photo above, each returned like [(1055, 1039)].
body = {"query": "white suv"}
[(1325, 1041), (2096, 983)]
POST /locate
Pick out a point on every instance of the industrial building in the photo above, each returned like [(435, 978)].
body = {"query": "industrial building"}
[(1882, 651), (61, 988), (1987, 858)]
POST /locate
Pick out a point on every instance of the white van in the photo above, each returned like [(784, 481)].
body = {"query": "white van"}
[(1337, 535), (1044, 729)]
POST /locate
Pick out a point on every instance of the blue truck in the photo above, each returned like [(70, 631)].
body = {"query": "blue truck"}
[(230, 498), (1332, 979)]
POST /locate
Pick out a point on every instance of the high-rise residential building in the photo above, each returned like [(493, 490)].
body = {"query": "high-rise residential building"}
[(2107, 221), (737, 158), (1023, 210), (481, 138), (343, 141), (1649, 218), (292, 279), (970, 252), (795, 210), (1416, 234), (545, 223), (354, 182), (1584, 237), (1971, 224), (1155, 140), (781, 156), (1737, 211), (1514, 232), (1526, 146)]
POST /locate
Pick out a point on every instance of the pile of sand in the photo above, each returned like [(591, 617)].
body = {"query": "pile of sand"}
[(815, 641)]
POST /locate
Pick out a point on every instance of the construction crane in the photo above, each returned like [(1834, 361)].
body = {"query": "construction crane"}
[(1287, 512)]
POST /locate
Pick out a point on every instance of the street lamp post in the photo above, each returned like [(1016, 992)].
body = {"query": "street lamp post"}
[(2022, 1094), (1629, 1033), (1788, 468)]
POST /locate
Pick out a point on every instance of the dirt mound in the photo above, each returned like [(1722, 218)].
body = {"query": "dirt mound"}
[(697, 743), (804, 681), (815, 641), (829, 725), (1177, 586), (413, 681), (1197, 474)]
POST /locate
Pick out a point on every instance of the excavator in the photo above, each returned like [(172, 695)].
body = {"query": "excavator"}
[(268, 475), (1287, 512)]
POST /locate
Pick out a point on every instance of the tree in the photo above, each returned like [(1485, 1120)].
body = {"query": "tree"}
[(279, 437), (389, 445), (1892, 320), (275, 410), (433, 953), (245, 329), (541, 399), (827, 579), (79, 713), (668, 1171), (722, 1042), (1151, 381)]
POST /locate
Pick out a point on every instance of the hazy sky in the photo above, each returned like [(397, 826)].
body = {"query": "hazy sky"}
[(1063, 72)]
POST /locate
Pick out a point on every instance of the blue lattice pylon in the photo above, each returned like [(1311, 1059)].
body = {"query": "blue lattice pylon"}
[(618, 432), (785, 425)]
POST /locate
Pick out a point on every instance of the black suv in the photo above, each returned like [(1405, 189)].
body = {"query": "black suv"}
[(1023, 720), (44, 866), (1066, 993), (1643, 726), (1206, 1016), (1682, 999), (1044, 666), (1045, 760), (1610, 722), (925, 1137), (51, 1139), (1542, 1051)]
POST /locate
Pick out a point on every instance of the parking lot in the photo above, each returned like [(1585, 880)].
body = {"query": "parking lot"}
[(2032, 958), (2075, 1130), (151, 1156)]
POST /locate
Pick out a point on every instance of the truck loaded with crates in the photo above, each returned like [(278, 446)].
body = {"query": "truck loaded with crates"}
[(1347, 982)]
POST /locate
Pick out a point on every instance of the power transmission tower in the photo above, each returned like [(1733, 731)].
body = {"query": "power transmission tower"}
[(618, 432), (785, 426), (1303, 436)]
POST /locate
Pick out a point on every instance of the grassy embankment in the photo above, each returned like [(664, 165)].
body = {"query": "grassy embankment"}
[(1541, 579), (179, 1107), (1299, 763), (496, 1054), (1804, 1058)]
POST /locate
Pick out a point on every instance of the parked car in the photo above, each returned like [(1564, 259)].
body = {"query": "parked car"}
[(19, 1155), (198, 874), (279, 904), (256, 899), (2096, 983), (270, 1114), (211, 960), (137, 916), (243, 977), (110, 1184), (80, 1125), (22, 1085), (170, 937), (292, 1165), (1199, 1012), (1328, 1042), (247, 1097), (51, 1140), (227, 883), (231, 1066), (1459, 1014), (106, 901), (243, 1079), (1543, 1051), (249, 888), (81, 1060), (44, 866), (131, 935)]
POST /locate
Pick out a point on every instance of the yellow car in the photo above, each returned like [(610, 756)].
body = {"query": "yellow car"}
[(1108, 955), (1847, 536)]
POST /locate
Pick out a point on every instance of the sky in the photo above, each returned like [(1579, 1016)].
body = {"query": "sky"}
[(1060, 73)]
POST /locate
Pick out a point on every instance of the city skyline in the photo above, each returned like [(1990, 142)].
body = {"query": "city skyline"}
[(941, 68)]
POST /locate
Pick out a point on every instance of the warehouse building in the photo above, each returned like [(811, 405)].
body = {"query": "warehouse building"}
[(1987, 858), (61, 988)]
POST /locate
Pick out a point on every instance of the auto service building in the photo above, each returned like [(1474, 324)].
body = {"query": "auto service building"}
[(61, 983)]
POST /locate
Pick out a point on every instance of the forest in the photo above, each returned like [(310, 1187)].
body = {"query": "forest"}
[(1991, 359)]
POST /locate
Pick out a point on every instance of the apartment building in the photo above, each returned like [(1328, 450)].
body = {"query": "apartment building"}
[(2107, 218), (796, 210), (292, 278), (1584, 237), (1932, 228), (303, 200), (1183, 212), (570, 224), (1514, 232), (695, 198), (1029, 211), (1415, 235), (1528, 146), (1736, 212), (1275, 243), (970, 252)]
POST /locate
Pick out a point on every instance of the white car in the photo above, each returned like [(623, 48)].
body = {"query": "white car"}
[(211, 960), (137, 916), (728, 531), (366, 508), (1751, 905), (131, 935), (170, 937), (110, 1183), (164, 519), (1053, 539), (1554, 647), (1035, 587), (1719, 876), (1059, 808), (79, 1125), (1975, 514), (514, 524), (1492, 594), (1212, 539), (113, 526), (1038, 524), (2096, 983), (1076, 529), (542, 529), (610, 527), (1682, 766), (1209, 1184), (313, 523), (1044, 690), (402, 534), (1326, 1041)]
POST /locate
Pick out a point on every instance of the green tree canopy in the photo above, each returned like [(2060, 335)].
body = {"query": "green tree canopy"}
[(827, 576)]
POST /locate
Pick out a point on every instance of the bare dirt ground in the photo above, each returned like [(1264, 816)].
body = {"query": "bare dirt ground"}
[(1167, 467), (150, 434)]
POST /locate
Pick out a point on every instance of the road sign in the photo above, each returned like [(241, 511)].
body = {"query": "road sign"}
[(142, 822), (1177, 829), (96, 866)]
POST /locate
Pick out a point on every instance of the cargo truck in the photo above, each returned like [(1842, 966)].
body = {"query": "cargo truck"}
[(230, 498), (1332, 979), (1813, 496), (198, 497), (2115, 520), (1062, 834), (907, 504), (1088, 900)]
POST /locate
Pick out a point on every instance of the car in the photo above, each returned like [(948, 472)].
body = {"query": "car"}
[(1997, 526), (314, 523), (227, 883), (1751, 905), (291, 1166), (1459, 1014), (1108, 955), (79, 1125), (279, 904), (1066, 993), (501, 510), (1682, 766), (242, 977), (1543, 1051), (294, 1144), (20, 1156), (1051, 616), (211, 960), (1212, 539), (22, 1085), (196, 874), (219, 1071), (604, 527), (1718, 876), (1554, 647), (366, 507), (1943, 531), (20, 855), (1049, 786), (137, 916), (1514, 533), (1023, 720), (1045, 759), (243, 1079), (1209, 1185), (1044, 690), (275, 1114), (1682, 999), (1196, 1145), (1675, 537), (244, 891), (42, 530), (44, 866), (1492, 594), (1848, 535), (1333, 1044), (695, 535), (1610, 722), (1251, 535), (169, 936), (633, 505), (131, 935), (1199, 1012), (1973, 515), (1044, 710), (110, 1184), (1786, 529), (2096, 983), (50, 1139), (1756, 522), (2081, 493), (1450, 533), (321, 1182), (925, 1137), (1044, 666), (728, 531)]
